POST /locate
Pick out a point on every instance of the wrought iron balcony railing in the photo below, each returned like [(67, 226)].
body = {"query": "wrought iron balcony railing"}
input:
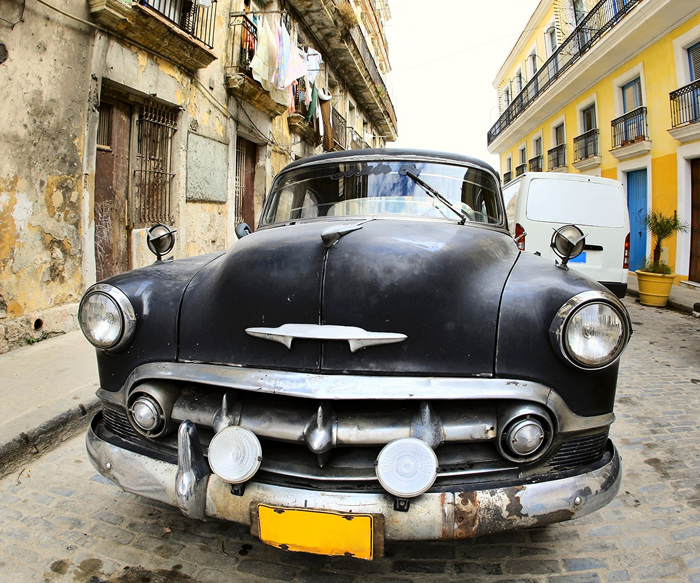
[(507, 176), (197, 21), (246, 45), (601, 18), (366, 145), (520, 169), (586, 145), (536, 164), (340, 130), (557, 156), (630, 128), (685, 105), (354, 139)]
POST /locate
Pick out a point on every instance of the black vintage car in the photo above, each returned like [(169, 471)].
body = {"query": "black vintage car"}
[(377, 361)]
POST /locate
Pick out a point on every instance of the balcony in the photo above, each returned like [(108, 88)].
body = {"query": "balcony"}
[(239, 77), (630, 135), (557, 158), (354, 139), (586, 150), (179, 30), (685, 113), (297, 121), (350, 55), (340, 130), (536, 164), (507, 177), (601, 18), (520, 169)]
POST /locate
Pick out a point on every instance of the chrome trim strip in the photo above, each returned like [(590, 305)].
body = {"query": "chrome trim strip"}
[(361, 388), (127, 310), (558, 325), (357, 337), (432, 516), (192, 472)]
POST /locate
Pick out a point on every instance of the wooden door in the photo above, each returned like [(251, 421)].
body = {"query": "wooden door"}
[(112, 189), (694, 273), (637, 204), (245, 182)]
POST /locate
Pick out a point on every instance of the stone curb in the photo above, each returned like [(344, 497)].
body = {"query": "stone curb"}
[(31, 445), (681, 307)]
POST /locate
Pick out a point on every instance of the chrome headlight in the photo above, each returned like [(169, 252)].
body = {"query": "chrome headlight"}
[(106, 317), (591, 330)]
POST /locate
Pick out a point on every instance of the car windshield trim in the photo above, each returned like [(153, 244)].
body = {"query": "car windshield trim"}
[(385, 187)]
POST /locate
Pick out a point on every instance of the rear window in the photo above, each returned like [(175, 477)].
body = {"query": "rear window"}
[(580, 203)]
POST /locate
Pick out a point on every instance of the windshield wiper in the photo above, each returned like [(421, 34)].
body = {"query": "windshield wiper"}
[(435, 194)]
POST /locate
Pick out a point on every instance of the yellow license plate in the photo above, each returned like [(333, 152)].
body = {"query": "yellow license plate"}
[(320, 531)]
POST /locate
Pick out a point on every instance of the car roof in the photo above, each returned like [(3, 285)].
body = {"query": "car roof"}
[(383, 153)]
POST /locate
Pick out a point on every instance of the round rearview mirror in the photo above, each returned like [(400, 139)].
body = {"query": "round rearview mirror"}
[(568, 242), (242, 229), (161, 240)]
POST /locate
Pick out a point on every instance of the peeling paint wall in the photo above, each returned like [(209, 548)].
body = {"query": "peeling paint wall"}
[(45, 84)]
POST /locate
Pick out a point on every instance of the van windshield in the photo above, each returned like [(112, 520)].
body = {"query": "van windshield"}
[(580, 203), (386, 187)]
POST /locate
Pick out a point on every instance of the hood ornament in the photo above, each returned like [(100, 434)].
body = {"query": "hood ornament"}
[(357, 338)]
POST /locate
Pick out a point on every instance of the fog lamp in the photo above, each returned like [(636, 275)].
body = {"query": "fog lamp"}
[(407, 467), (145, 414), (235, 454), (526, 437)]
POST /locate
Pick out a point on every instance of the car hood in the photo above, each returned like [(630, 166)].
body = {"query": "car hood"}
[(432, 287)]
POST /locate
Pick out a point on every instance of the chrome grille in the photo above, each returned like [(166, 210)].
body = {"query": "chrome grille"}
[(577, 452), (117, 422)]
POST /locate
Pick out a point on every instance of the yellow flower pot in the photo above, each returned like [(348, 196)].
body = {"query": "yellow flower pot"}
[(654, 288)]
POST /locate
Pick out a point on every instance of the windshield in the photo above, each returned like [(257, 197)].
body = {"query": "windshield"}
[(388, 187)]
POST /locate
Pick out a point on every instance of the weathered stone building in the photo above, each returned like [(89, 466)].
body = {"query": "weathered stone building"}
[(124, 114)]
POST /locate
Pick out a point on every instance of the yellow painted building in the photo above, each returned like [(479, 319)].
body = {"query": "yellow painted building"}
[(612, 89)]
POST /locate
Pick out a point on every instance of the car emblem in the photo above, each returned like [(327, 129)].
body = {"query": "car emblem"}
[(357, 338)]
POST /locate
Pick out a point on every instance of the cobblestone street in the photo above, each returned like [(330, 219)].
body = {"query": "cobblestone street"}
[(61, 521)]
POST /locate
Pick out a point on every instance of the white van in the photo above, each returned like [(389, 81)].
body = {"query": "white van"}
[(538, 203)]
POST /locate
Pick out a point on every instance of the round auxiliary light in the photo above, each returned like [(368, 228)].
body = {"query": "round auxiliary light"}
[(146, 414), (595, 335), (407, 467), (235, 454), (525, 437), (160, 239)]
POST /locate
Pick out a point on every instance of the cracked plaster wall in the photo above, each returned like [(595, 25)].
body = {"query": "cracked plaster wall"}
[(45, 84)]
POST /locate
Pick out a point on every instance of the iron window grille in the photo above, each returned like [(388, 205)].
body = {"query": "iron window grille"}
[(240, 180), (557, 156), (247, 45), (586, 145), (104, 127), (536, 164), (601, 18), (507, 176), (196, 20), (630, 128), (685, 105), (153, 175), (520, 169)]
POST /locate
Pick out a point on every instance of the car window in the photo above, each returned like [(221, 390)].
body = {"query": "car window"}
[(362, 188)]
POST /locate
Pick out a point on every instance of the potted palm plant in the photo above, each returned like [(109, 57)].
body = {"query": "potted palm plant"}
[(656, 277)]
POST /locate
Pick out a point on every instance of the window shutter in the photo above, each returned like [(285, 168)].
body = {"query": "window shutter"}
[(694, 55)]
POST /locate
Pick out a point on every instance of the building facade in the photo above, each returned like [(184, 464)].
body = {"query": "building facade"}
[(126, 114), (611, 88)]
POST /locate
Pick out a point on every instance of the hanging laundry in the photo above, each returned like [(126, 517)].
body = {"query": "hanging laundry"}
[(264, 62), (313, 104), (283, 58), (313, 63), (327, 127), (296, 67)]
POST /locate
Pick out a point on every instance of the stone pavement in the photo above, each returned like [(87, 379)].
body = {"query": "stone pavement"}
[(61, 521), (682, 298)]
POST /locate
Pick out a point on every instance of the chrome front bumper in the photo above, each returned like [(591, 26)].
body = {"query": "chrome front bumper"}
[(432, 516)]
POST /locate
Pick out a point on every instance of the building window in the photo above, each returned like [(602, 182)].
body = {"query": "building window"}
[(632, 95), (538, 147), (518, 81), (588, 118), (156, 126), (559, 135), (694, 60), (104, 127), (552, 38)]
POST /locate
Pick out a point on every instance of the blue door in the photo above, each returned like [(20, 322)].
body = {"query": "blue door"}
[(637, 204)]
